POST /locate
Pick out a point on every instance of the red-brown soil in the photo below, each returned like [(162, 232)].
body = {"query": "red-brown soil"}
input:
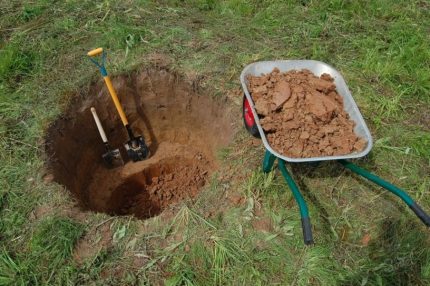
[(167, 182), (303, 115), (182, 128)]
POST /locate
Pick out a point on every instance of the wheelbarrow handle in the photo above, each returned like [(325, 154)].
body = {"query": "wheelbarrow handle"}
[(307, 231), (424, 217), (420, 213), (304, 213)]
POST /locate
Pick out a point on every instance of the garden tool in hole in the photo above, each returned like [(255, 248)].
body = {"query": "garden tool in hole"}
[(137, 150), (112, 157)]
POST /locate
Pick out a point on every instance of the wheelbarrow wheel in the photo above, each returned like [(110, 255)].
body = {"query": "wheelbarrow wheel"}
[(248, 118)]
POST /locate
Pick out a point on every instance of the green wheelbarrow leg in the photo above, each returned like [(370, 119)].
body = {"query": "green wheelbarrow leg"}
[(268, 161), (306, 223), (425, 218)]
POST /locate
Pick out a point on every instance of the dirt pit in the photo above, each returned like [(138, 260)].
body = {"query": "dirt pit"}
[(303, 115), (182, 128)]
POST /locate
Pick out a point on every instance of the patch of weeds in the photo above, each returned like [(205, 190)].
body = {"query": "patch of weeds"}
[(92, 269), (205, 5), (30, 12), (12, 272), (310, 271), (258, 183), (14, 188), (123, 36), (65, 25), (407, 142), (223, 153), (51, 246), (214, 258), (55, 238), (184, 273), (225, 252), (121, 228), (237, 7), (395, 256), (15, 64), (420, 142)]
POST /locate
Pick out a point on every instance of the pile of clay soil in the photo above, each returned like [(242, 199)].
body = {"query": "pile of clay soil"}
[(303, 115), (168, 182), (183, 127)]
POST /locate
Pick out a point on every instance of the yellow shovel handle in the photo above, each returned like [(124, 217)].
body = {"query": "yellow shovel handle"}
[(116, 100), (95, 52)]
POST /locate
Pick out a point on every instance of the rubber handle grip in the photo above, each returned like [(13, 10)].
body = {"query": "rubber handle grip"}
[(95, 52), (116, 100), (99, 125), (307, 231), (424, 217)]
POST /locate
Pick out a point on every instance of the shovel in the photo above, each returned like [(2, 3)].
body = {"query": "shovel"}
[(112, 157), (137, 150)]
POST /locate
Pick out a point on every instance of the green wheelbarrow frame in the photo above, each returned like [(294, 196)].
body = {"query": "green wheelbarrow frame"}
[(252, 124), (269, 160)]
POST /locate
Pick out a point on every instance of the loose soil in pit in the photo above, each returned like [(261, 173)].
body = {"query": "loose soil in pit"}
[(303, 115), (182, 127), (167, 182)]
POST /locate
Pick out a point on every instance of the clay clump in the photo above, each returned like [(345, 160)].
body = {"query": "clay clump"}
[(303, 115), (165, 183)]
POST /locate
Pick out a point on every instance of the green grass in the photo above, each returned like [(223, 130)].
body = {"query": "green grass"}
[(47, 257), (381, 48)]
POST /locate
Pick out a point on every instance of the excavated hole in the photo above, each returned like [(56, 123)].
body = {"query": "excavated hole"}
[(182, 129)]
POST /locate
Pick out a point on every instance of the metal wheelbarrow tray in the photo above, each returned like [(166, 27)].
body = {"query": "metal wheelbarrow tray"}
[(252, 124)]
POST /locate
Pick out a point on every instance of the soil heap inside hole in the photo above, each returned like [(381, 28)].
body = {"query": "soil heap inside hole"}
[(167, 182), (183, 130), (303, 115)]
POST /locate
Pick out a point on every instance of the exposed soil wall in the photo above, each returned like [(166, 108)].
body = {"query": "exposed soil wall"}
[(182, 128)]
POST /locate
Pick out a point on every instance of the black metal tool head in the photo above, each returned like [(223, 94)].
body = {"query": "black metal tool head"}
[(137, 150), (113, 158)]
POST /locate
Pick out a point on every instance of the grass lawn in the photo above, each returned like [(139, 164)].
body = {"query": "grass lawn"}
[(363, 235)]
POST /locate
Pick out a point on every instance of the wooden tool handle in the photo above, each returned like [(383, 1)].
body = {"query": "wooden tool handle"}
[(99, 125)]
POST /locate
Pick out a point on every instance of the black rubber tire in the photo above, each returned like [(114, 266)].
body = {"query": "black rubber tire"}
[(252, 129)]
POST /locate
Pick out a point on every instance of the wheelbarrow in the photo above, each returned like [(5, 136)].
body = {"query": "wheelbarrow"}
[(252, 124)]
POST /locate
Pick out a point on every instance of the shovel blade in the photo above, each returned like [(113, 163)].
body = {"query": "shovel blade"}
[(137, 149), (113, 158)]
